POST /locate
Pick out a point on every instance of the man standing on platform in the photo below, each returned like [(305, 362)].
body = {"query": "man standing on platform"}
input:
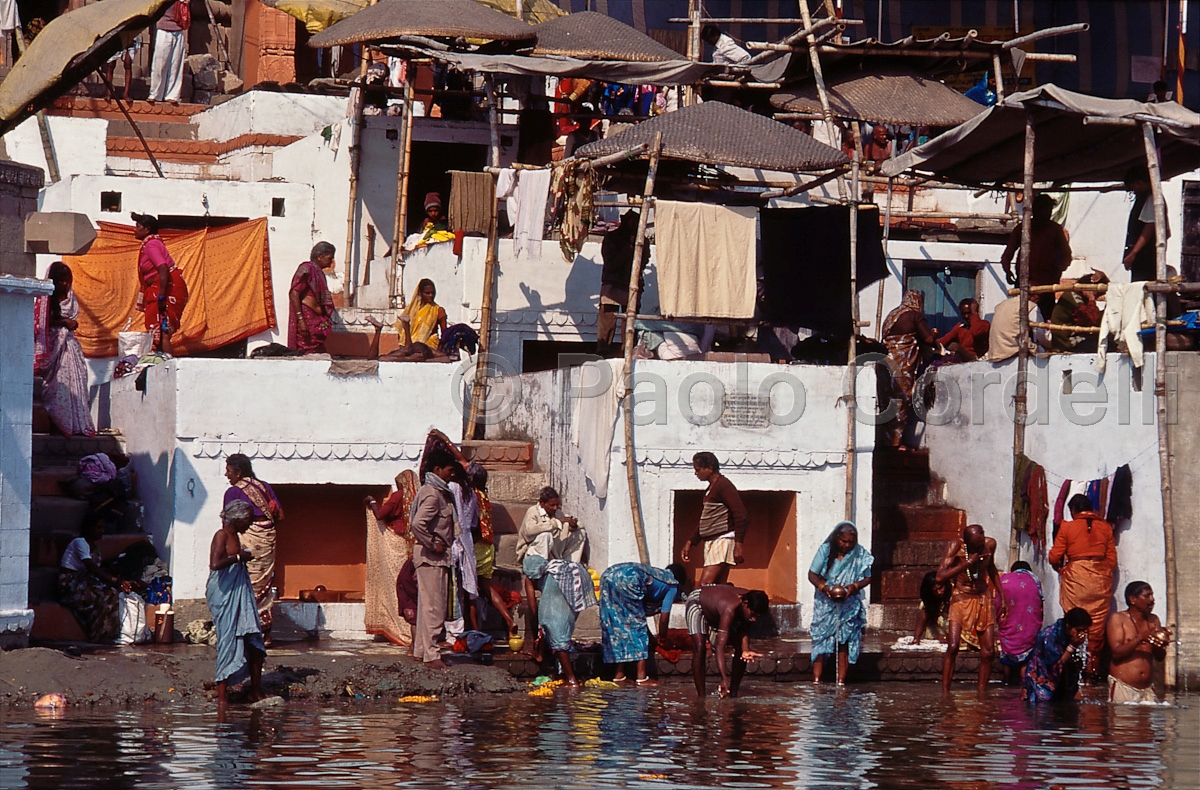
[(723, 523), (433, 528), (970, 566)]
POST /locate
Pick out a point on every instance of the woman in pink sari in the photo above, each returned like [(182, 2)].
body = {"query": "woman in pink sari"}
[(311, 302), (59, 357)]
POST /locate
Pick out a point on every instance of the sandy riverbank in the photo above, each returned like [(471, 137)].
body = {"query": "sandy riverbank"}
[(161, 674)]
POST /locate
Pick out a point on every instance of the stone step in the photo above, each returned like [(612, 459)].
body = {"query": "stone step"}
[(909, 492), (896, 616), (56, 514), (153, 130), (500, 454), (43, 584), (506, 553), (893, 466), (46, 479), (918, 522), (46, 550), (925, 554), (41, 419), (51, 450), (901, 584), (54, 622), (506, 486), (507, 516)]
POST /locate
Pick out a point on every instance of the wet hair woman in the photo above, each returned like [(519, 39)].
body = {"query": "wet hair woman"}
[(230, 599), (840, 571)]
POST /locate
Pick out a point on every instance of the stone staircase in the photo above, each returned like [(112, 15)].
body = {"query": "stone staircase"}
[(911, 526), (513, 486), (56, 518)]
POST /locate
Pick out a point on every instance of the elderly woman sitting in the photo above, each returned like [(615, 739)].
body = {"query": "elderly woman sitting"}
[(230, 598)]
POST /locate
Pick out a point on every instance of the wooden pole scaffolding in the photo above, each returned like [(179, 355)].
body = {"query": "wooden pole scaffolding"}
[(1020, 408), (695, 47), (631, 308), (1160, 393), (400, 219), (356, 114), (479, 386), (887, 232), (819, 79), (124, 111), (852, 384)]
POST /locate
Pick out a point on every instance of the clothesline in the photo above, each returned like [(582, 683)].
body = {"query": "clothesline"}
[(1057, 480)]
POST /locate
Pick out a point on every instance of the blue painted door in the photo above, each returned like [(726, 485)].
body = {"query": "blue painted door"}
[(944, 287)]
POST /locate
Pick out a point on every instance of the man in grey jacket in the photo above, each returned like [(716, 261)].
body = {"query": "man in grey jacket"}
[(432, 526)]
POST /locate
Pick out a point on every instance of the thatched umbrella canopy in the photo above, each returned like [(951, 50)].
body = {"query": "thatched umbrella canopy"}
[(593, 36), (718, 134), (883, 94), (393, 19)]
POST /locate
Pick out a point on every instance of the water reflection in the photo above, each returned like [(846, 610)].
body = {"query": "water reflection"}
[(781, 736)]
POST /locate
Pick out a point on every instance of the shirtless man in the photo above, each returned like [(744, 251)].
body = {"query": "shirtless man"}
[(968, 567), (729, 610), (1136, 639)]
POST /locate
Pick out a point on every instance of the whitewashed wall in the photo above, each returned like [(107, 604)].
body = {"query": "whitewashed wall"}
[(1082, 436), (805, 456), (297, 423), (16, 425)]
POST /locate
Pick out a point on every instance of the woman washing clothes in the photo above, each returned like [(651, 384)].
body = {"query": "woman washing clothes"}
[(58, 357), (88, 590), (420, 327)]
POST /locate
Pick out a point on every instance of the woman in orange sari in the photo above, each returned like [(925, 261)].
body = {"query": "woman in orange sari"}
[(1085, 556)]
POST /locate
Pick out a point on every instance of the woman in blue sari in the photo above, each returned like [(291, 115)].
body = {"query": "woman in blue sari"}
[(840, 572), (629, 593)]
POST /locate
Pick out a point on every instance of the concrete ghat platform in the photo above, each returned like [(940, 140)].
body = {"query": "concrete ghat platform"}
[(789, 660)]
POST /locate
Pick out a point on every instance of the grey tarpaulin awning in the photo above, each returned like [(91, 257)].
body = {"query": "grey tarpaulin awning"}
[(718, 134), (1074, 144), (671, 72)]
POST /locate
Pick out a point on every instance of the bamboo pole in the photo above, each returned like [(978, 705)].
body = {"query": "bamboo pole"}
[(1160, 395), (355, 157), (819, 78), (1049, 32), (635, 288), (124, 111), (852, 384), (480, 383), (1019, 399), (999, 77), (400, 219), (44, 125), (1085, 330), (887, 232), (695, 50)]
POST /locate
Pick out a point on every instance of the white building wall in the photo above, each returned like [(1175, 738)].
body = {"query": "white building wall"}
[(1082, 436), (16, 425), (296, 422), (79, 145), (806, 454)]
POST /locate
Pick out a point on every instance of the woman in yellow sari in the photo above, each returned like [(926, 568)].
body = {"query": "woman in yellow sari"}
[(420, 327)]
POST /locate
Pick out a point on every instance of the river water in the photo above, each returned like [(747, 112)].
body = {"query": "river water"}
[(778, 735)]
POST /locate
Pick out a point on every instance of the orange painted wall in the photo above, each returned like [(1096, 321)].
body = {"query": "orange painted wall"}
[(770, 542), (323, 539)]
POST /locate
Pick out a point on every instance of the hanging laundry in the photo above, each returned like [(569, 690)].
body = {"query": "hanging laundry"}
[(1120, 501), (529, 219), (1126, 306), (506, 190), (1030, 505), (472, 196), (705, 259), (573, 187)]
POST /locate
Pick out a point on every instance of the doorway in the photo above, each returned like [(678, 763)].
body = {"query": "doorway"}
[(944, 287), (770, 541)]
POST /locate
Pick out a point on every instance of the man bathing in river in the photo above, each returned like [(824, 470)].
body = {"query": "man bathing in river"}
[(1136, 639), (969, 566), (230, 598), (729, 611)]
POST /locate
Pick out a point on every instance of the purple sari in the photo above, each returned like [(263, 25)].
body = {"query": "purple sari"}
[(308, 281)]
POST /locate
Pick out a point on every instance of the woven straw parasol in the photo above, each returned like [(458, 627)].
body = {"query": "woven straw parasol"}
[(595, 36), (391, 19)]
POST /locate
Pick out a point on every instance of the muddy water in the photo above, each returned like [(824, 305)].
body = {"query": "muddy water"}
[(794, 736)]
